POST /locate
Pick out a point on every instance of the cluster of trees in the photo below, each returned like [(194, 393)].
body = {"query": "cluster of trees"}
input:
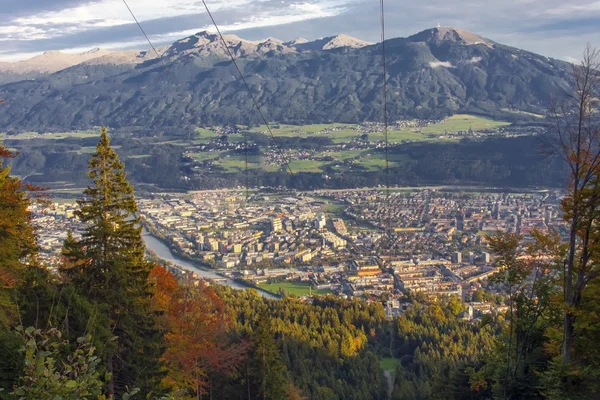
[(548, 346), (437, 351), (108, 323), (506, 162), (66, 160), (326, 347)]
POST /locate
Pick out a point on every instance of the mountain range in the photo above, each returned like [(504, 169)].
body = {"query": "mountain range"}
[(201, 44), (192, 82)]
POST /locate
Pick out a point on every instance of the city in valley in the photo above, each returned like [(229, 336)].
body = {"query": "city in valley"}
[(365, 243)]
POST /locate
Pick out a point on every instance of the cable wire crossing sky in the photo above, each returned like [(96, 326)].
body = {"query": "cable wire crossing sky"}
[(553, 28)]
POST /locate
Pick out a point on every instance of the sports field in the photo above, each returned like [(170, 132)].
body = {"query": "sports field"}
[(296, 288)]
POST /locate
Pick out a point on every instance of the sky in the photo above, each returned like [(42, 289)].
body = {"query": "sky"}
[(555, 28)]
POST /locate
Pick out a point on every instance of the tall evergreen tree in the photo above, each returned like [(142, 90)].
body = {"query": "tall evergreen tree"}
[(17, 237), (269, 370), (108, 265)]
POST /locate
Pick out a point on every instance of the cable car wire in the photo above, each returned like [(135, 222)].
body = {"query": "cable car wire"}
[(254, 101), (141, 29), (386, 128)]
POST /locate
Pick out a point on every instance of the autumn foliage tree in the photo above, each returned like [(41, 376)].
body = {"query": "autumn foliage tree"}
[(17, 236), (526, 275), (196, 332), (576, 140)]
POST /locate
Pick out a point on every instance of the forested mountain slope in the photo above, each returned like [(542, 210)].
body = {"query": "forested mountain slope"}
[(432, 74)]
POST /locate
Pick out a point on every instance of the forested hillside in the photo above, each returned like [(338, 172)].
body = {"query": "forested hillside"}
[(433, 74), (501, 162)]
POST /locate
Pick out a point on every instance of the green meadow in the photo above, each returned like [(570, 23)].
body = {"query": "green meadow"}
[(296, 288)]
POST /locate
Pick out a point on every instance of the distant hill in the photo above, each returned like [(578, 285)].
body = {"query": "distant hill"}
[(434, 73), (45, 64)]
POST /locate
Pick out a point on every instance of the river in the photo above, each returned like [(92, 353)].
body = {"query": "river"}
[(164, 253)]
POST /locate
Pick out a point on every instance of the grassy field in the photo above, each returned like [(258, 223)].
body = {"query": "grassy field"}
[(522, 113), (317, 130), (376, 162), (388, 364), (87, 150), (67, 191), (297, 288), (51, 136), (237, 163), (341, 155), (401, 136), (487, 233), (335, 209), (306, 165), (296, 130), (205, 135), (462, 122), (204, 156), (343, 136), (347, 132)]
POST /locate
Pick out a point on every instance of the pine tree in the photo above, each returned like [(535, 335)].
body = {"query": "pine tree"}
[(108, 265), (271, 374), (17, 237)]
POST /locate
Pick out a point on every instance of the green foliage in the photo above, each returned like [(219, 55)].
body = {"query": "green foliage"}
[(47, 301), (518, 368), (268, 370), (571, 382), (324, 346), (49, 374), (107, 265), (11, 359), (17, 237), (435, 349)]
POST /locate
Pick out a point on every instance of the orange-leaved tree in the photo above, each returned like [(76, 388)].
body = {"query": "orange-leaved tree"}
[(196, 330), (17, 235)]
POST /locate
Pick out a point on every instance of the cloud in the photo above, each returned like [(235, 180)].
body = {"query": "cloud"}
[(18, 8), (549, 27)]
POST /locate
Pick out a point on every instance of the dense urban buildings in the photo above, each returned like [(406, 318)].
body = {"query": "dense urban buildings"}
[(335, 241)]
